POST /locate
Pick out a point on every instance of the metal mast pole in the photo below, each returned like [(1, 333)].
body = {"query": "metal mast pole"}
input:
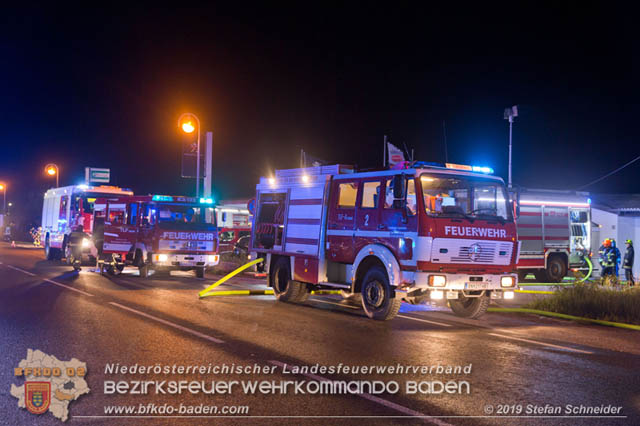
[(384, 152), (510, 146)]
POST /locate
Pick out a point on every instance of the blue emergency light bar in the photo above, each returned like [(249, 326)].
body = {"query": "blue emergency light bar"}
[(481, 169), (162, 198), (206, 200)]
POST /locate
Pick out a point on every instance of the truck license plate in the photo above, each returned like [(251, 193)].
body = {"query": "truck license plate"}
[(476, 286)]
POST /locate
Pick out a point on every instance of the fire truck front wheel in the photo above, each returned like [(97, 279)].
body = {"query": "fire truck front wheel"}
[(377, 296), (200, 272), (50, 253), (470, 307), (284, 288)]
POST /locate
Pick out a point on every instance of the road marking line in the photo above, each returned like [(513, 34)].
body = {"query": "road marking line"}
[(541, 343), (68, 287), (377, 400), (21, 270), (337, 304), (169, 323), (424, 320)]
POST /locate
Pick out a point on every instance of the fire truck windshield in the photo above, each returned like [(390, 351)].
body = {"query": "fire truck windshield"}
[(446, 195), (88, 199), (184, 213)]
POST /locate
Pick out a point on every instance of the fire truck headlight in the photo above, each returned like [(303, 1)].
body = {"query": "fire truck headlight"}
[(163, 258), (213, 258), (509, 294), (437, 280), (85, 243), (507, 282), (437, 294)]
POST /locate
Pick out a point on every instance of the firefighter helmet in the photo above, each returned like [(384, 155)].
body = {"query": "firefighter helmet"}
[(629, 242)]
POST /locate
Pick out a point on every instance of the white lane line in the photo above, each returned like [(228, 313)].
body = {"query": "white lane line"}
[(169, 323), (68, 287), (337, 304), (535, 342), (21, 270), (377, 400), (424, 320)]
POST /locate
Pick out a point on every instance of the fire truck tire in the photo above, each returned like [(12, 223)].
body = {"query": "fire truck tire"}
[(556, 269), (144, 270), (284, 288), (303, 293), (68, 254), (50, 253), (377, 296), (200, 272), (470, 307), (351, 297)]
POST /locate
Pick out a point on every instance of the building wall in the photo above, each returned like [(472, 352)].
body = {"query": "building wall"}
[(620, 228)]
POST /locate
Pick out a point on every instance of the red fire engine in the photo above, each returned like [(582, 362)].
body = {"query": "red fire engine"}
[(158, 232), (67, 219), (554, 228), (428, 230)]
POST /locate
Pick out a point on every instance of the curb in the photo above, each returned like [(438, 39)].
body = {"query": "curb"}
[(565, 316)]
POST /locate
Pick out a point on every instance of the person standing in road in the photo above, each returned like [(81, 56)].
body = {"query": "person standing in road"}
[(616, 257), (627, 264)]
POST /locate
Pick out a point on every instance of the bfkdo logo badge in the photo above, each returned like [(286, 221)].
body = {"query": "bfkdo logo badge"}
[(37, 396)]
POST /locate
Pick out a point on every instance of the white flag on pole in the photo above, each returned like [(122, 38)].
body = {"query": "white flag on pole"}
[(395, 154)]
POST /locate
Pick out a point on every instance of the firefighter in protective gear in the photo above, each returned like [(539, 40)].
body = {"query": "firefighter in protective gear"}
[(606, 258), (616, 257), (627, 264)]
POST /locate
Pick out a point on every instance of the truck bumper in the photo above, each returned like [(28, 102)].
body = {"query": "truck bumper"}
[(185, 260), (465, 282)]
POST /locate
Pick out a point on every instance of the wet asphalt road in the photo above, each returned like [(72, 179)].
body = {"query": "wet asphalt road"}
[(517, 361)]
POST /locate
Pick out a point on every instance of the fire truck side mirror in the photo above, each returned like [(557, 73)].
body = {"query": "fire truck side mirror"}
[(515, 203), (400, 195)]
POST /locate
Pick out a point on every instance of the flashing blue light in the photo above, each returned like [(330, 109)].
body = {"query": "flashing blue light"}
[(481, 169), (206, 200), (83, 186), (588, 200), (162, 198)]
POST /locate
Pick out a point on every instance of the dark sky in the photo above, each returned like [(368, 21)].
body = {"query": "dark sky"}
[(104, 88)]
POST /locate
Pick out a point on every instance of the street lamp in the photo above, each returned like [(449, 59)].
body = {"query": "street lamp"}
[(53, 170), (186, 124), (3, 188), (510, 114)]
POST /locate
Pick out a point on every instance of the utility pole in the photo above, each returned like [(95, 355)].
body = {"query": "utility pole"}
[(208, 164), (510, 114), (446, 149), (384, 152)]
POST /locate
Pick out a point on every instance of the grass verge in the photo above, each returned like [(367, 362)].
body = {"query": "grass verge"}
[(593, 301), (564, 316)]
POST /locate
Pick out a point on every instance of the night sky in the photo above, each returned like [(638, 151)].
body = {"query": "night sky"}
[(104, 88)]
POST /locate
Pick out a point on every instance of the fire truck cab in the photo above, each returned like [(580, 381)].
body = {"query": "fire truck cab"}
[(67, 219), (423, 231), (159, 232)]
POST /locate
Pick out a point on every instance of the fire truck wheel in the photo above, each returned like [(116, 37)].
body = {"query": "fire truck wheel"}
[(351, 297), (556, 270), (50, 253), (285, 289), (470, 307), (377, 299), (303, 293), (144, 270), (200, 272)]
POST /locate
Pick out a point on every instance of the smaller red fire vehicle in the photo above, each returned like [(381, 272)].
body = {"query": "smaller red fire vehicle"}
[(159, 232)]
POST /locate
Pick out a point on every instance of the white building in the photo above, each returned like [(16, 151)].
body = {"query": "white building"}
[(616, 216)]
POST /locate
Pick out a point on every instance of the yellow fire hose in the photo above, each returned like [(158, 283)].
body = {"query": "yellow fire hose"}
[(229, 276), (207, 291)]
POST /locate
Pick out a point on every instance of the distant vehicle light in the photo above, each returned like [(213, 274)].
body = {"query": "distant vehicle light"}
[(85, 243), (305, 178), (272, 181), (162, 198)]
